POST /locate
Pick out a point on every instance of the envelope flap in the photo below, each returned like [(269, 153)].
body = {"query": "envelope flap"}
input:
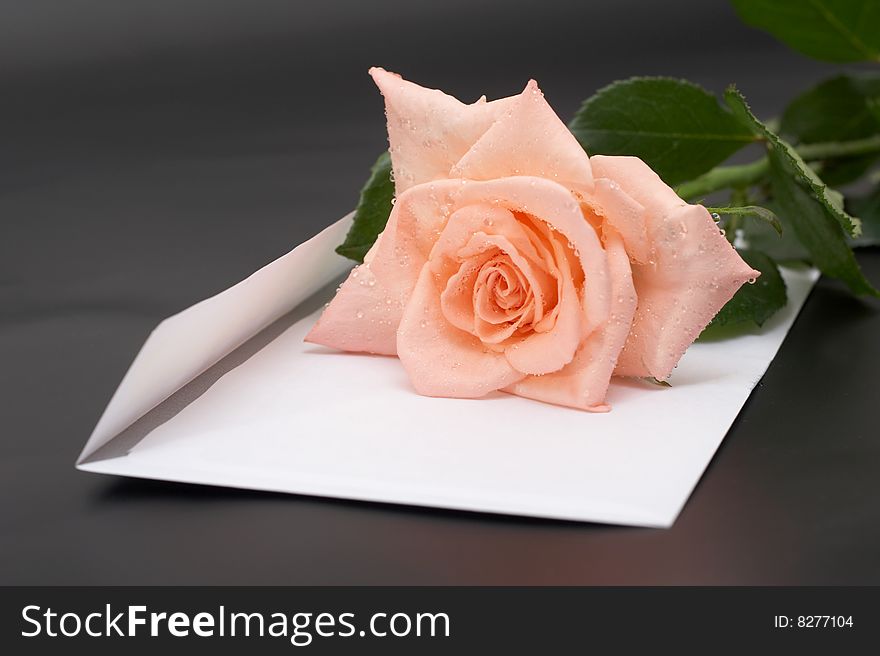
[(186, 344)]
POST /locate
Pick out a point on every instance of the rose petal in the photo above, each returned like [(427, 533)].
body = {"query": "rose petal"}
[(497, 316), (418, 216), (545, 352), (456, 299), (692, 271), (483, 217), (500, 293), (539, 352), (365, 313), (528, 139), (442, 360), (695, 271), (429, 131), (539, 282), (638, 181), (552, 203), (358, 319), (583, 383), (627, 216)]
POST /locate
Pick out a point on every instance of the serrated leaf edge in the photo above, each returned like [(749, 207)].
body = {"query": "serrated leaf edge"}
[(850, 224)]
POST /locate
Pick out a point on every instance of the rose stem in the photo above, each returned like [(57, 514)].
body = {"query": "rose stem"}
[(744, 175)]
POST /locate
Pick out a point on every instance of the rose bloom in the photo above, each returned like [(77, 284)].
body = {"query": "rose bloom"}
[(513, 261)]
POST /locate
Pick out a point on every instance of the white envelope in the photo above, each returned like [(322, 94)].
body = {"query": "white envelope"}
[(227, 393)]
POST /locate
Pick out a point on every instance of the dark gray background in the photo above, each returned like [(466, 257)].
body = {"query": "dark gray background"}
[(153, 153)]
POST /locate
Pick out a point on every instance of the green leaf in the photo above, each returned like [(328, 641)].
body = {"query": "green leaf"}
[(788, 249), (657, 381), (788, 159), (868, 209), (874, 107), (678, 128), (817, 230), (766, 215), (785, 248), (831, 30), (815, 212), (835, 110), (839, 109), (844, 170), (755, 302), (372, 211)]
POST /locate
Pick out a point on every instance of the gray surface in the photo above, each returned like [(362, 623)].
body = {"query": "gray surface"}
[(153, 153)]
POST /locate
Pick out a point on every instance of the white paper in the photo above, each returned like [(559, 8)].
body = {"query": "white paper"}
[(188, 343), (299, 418)]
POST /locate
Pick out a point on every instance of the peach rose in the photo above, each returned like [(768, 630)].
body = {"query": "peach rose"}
[(512, 261)]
